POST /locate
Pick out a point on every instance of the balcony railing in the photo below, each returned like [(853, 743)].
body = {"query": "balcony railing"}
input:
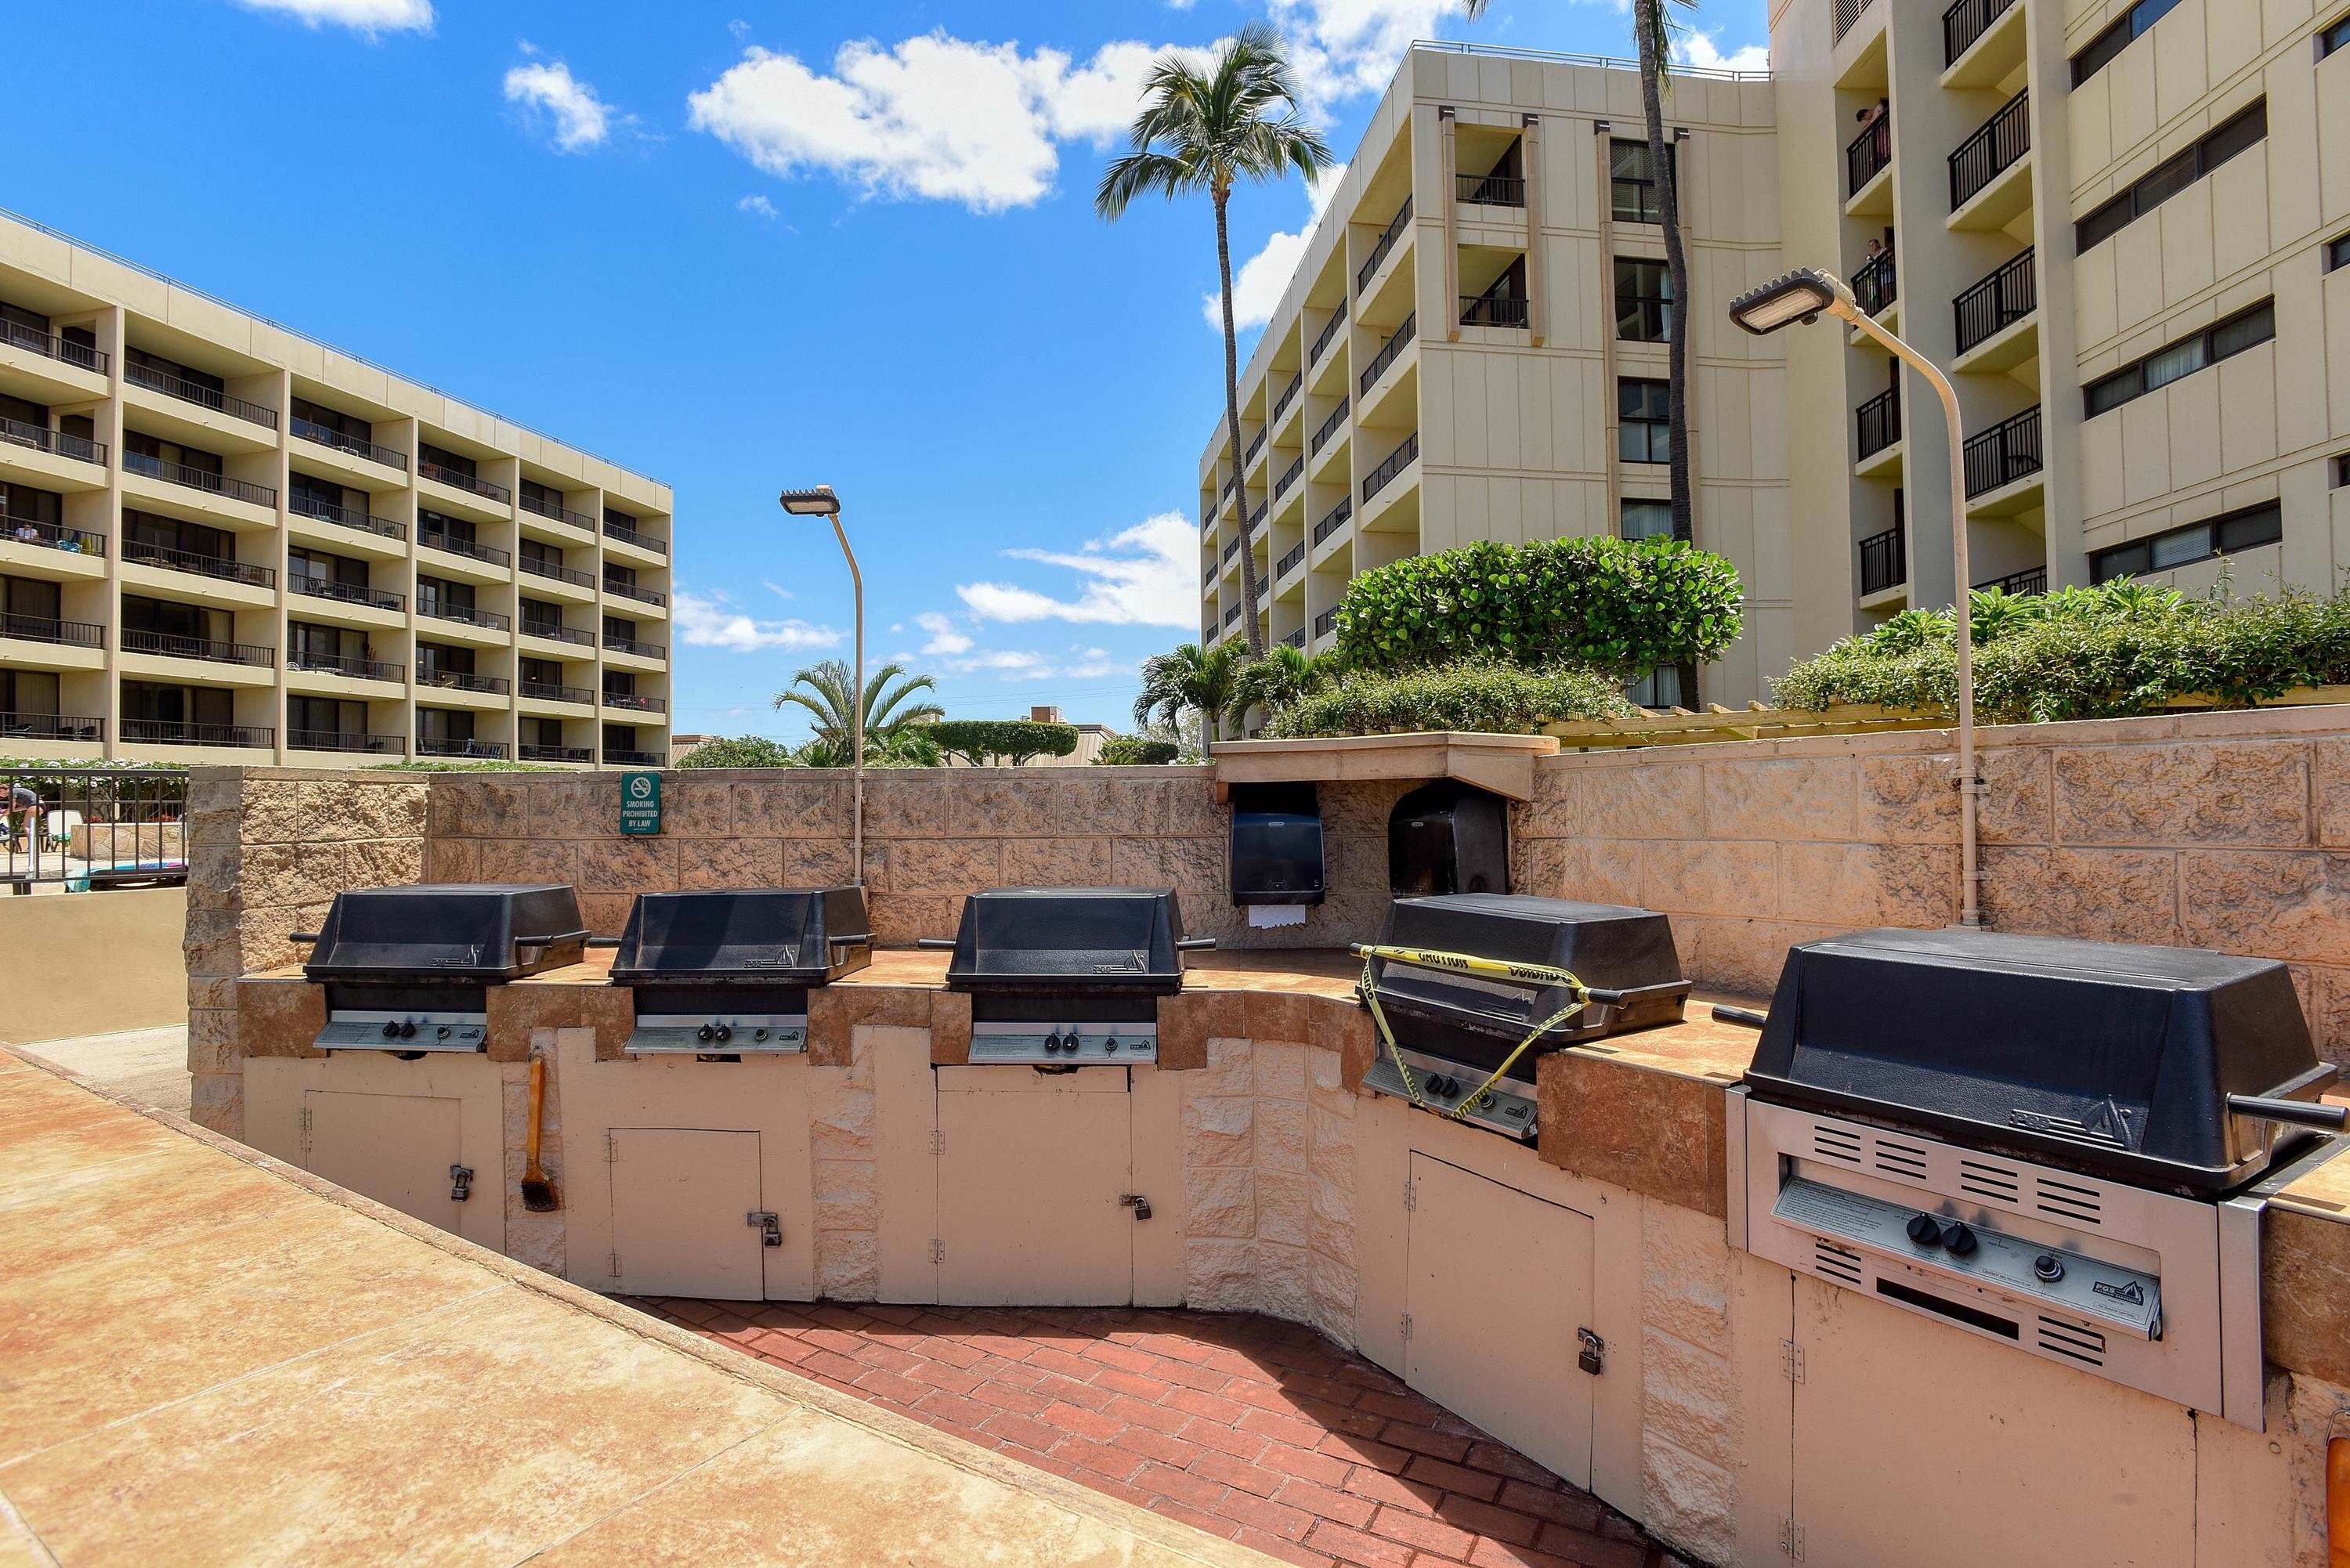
[(1966, 21), (628, 536), (636, 702), (437, 679), (1867, 153), (465, 615), (187, 392), (457, 545), (1884, 561), (1880, 423), (1335, 521), (572, 575), (72, 541), (1255, 520), (2031, 580), (326, 435), (1208, 577), (621, 757), (199, 478), (14, 335), (1998, 302), (1232, 615), (1382, 245), (347, 593), (631, 645), (1388, 350), (1991, 150), (1330, 427), (2002, 454), (1291, 559), (550, 691), (346, 517), (1395, 462), (1295, 638), (224, 570), (211, 650), (458, 479), (1322, 338), (1231, 550), (556, 633), (1327, 622), (1288, 396), (343, 740), (1847, 12), (41, 438), (1876, 286), (454, 746), (630, 591), (1491, 310), (42, 629), (51, 727), (558, 512), (536, 753), (1491, 190), (358, 667), (180, 733), (1289, 475), (1255, 445)]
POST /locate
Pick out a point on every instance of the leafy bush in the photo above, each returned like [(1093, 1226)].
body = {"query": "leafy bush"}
[(1136, 751), (979, 740), (2086, 653), (1597, 603), (741, 752), (1484, 695)]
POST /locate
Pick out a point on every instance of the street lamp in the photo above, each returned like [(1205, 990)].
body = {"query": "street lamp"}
[(821, 502), (1803, 296)]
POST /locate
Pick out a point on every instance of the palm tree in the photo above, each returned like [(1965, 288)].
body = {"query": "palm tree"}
[(1283, 675), (887, 712), (1653, 27), (1191, 678), (1201, 130)]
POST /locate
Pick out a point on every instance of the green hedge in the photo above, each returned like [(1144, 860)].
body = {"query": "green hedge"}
[(1136, 751), (1597, 603), (1488, 696), (979, 740), (739, 751)]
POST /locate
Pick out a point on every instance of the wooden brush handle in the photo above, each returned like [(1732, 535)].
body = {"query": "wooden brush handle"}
[(537, 1093)]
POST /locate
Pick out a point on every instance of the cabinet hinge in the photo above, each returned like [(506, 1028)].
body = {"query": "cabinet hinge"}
[(1410, 1199), (615, 1265), (938, 1141), (612, 1153), (1407, 1325), (937, 1251), (1791, 1541), (1791, 1361)]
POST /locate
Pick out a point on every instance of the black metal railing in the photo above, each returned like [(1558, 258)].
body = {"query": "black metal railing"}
[(1388, 350), (183, 732), (1335, 520), (358, 667), (571, 574), (438, 680), (1491, 190), (1327, 622), (89, 826), (458, 545), (41, 438), (628, 536), (199, 478), (1295, 638), (45, 628), (465, 615), (2031, 580), (1491, 310), (636, 702), (1208, 577), (1288, 396), (347, 593), (454, 746), (51, 727), (1255, 520), (1867, 154), (1289, 475), (211, 650), (458, 479), (1880, 423), (217, 567), (327, 435), (1998, 302), (1231, 551), (537, 754), (1232, 615), (1322, 338), (342, 741), (1884, 561), (622, 757), (347, 517), (553, 692), (632, 645), (50, 535), (1966, 21), (14, 335), (557, 511), (187, 392), (2002, 454), (1291, 559), (1395, 462), (1991, 150), (556, 633), (1255, 445), (1876, 286), (1847, 12), (1330, 427), (630, 591), (1382, 245)]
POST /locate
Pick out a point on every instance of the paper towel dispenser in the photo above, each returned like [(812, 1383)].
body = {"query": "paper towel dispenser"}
[(1277, 848), (1449, 837)]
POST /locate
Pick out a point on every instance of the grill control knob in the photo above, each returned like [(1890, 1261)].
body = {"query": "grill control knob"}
[(407, 1031), (758, 1034), (441, 1032), (706, 1033), (1924, 1230), (1958, 1239), (391, 1030), (726, 1032), (2048, 1266)]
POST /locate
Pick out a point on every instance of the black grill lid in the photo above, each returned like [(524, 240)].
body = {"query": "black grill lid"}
[(1608, 947), (767, 936), (2098, 1056), (478, 932), (1055, 939)]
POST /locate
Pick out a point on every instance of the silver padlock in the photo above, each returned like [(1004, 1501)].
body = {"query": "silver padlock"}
[(770, 1228)]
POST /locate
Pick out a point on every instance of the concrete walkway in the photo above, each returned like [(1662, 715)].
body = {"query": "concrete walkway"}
[(147, 1065)]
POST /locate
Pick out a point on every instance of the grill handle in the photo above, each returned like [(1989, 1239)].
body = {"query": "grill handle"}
[(1195, 944), (1745, 1016), (602, 943), (306, 937), (939, 944), (850, 939), (2297, 1113)]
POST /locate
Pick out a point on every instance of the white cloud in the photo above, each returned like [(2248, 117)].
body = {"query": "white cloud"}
[(946, 637), (740, 28), (1256, 288), (712, 621), (1144, 575), (1080, 663), (1340, 47), (568, 107), (1696, 48), (758, 207), (369, 16)]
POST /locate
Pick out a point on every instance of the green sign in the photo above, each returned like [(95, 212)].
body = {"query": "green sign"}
[(639, 803)]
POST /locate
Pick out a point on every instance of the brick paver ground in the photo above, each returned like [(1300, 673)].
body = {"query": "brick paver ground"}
[(1258, 1430)]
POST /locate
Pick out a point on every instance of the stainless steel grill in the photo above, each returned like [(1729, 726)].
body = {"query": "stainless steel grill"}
[(727, 973), (408, 969), (1068, 976)]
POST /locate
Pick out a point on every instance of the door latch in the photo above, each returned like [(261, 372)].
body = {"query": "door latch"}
[(461, 1183), (770, 1228), (1593, 1354), (1138, 1203)]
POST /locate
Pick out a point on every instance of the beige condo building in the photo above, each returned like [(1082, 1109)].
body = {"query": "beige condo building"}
[(221, 540), (1473, 347)]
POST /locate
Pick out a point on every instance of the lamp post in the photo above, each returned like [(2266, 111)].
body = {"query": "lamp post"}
[(821, 502), (1805, 295)]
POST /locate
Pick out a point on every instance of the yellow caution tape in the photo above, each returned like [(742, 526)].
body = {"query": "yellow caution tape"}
[(1467, 963)]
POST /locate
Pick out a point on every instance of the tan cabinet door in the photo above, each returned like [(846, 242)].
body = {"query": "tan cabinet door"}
[(394, 1148), (1031, 1169), (1496, 1284), (680, 1199)]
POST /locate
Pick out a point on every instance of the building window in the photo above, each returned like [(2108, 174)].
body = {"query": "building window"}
[(2172, 176), (2337, 250), (1632, 186), (2117, 37), (2334, 36), (2166, 365), (1666, 686), (2342, 471), (2222, 535), (1644, 422), (1646, 520), (1644, 301)]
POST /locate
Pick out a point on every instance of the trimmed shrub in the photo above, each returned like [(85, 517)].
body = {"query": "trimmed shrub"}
[(1485, 695), (980, 740), (1620, 606), (1136, 751), (741, 752)]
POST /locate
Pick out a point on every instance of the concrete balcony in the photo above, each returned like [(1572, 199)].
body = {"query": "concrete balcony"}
[(312, 598), (452, 492), (51, 553), (37, 455), (348, 530), (182, 411), (445, 623), (348, 460), (49, 369), (38, 642), (176, 488)]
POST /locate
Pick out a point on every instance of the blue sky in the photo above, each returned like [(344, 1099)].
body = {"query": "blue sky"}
[(744, 244)]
